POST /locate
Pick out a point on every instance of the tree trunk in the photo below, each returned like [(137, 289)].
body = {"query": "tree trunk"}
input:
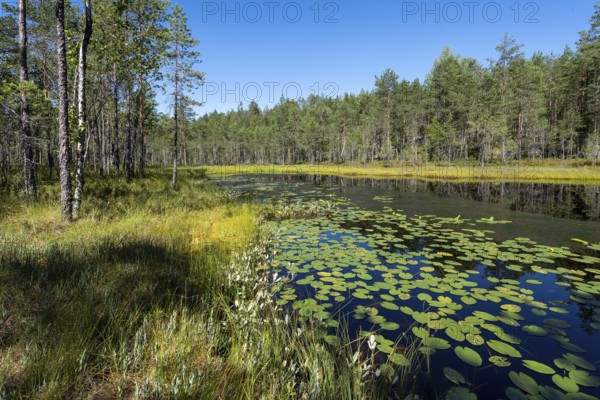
[(27, 140), (82, 112), (141, 89), (64, 151), (128, 140), (175, 118), (115, 141), (142, 139)]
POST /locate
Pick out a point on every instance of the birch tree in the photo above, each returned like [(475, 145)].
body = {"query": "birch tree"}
[(81, 109), (64, 151)]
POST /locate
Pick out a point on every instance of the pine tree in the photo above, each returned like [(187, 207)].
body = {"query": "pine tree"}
[(182, 75)]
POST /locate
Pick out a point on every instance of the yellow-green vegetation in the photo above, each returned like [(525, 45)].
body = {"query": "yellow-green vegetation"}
[(551, 171), (158, 294)]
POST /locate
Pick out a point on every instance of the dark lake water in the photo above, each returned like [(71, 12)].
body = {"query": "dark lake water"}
[(482, 279)]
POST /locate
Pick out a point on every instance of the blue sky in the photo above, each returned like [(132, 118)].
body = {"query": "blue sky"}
[(264, 50)]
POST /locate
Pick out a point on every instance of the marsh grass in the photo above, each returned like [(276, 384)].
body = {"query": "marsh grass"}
[(159, 294), (548, 170)]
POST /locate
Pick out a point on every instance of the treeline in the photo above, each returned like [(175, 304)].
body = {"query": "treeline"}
[(546, 106), (78, 87)]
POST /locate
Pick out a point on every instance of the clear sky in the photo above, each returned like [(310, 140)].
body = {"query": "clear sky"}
[(264, 50)]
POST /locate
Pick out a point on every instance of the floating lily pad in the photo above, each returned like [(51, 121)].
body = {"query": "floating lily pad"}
[(524, 382), (504, 348), (515, 394), (475, 340), (583, 378), (538, 367), (579, 361), (468, 356), (535, 330), (436, 343), (389, 306), (399, 360), (460, 393), (454, 376), (499, 361), (565, 384)]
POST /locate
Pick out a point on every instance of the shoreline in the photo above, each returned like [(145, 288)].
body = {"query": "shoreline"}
[(517, 173)]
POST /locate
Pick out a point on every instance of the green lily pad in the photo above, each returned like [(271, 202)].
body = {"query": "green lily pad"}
[(390, 326), (499, 361), (538, 367), (454, 376), (468, 356), (534, 330), (550, 393), (515, 394), (436, 343), (399, 360), (565, 384), (504, 348), (583, 378), (579, 361), (524, 382), (389, 306), (475, 340), (460, 393)]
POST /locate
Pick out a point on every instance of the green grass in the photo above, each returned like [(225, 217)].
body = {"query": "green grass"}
[(549, 171), (159, 294)]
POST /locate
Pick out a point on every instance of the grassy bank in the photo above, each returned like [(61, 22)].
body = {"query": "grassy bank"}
[(551, 171), (157, 294)]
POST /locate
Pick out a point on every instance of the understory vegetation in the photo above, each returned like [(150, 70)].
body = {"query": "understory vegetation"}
[(161, 294)]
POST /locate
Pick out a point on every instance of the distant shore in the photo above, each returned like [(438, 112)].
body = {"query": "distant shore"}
[(547, 171)]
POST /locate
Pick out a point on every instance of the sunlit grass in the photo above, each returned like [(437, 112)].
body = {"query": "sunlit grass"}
[(551, 170)]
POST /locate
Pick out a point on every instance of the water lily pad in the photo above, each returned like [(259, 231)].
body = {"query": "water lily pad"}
[(515, 394), (565, 384), (511, 307), (390, 326), (455, 333), (460, 393), (539, 312), (420, 332), (579, 361), (583, 378), (504, 348), (469, 301), (499, 361), (390, 306), (557, 323), (572, 347), (524, 382), (436, 343), (475, 340), (538, 367), (454, 376), (550, 393), (468, 356), (534, 330), (564, 364), (399, 360)]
